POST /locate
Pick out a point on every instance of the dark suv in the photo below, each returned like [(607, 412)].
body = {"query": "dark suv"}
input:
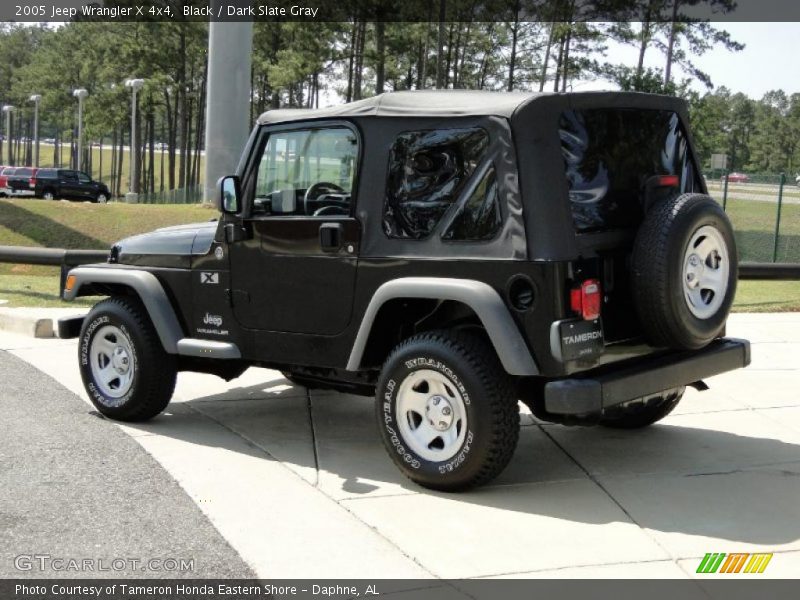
[(66, 183), (450, 253)]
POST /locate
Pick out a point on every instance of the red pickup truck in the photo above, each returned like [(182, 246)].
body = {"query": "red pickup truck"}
[(4, 173)]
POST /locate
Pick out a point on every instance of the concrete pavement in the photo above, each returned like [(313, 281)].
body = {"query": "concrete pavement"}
[(299, 485)]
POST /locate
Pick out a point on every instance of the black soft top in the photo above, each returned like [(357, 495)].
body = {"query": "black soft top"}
[(525, 130), (462, 103)]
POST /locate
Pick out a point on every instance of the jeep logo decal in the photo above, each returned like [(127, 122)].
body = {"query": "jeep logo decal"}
[(214, 320)]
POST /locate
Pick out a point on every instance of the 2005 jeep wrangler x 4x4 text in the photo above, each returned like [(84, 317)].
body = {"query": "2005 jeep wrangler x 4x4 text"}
[(450, 252)]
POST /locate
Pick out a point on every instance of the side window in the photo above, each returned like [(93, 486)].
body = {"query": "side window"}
[(479, 219), (84, 178), (69, 175), (306, 172), (427, 172)]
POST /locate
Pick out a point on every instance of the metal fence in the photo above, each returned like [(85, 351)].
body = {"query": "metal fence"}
[(765, 212)]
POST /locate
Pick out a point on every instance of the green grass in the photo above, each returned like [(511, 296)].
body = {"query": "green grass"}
[(754, 224), (31, 222), (767, 296), (36, 290)]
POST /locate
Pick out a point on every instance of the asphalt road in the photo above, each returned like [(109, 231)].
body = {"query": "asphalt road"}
[(73, 487)]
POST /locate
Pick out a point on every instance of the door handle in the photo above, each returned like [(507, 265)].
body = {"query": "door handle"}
[(330, 237)]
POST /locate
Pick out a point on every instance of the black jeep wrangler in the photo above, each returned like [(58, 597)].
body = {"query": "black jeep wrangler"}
[(450, 252)]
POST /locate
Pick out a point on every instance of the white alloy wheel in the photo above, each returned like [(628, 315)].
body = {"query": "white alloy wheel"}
[(706, 266), (431, 415), (113, 363)]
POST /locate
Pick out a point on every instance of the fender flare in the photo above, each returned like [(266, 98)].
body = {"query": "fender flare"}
[(150, 291), (503, 332)]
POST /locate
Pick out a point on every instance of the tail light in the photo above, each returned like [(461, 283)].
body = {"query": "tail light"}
[(669, 181), (32, 182), (585, 300)]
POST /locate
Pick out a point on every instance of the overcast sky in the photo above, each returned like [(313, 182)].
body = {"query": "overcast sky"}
[(768, 62)]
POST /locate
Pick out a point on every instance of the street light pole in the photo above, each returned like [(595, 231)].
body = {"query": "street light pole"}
[(80, 94), (133, 195), (36, 98), (8, 109)]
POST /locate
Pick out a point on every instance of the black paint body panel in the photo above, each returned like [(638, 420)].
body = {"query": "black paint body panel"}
[(287, 301)]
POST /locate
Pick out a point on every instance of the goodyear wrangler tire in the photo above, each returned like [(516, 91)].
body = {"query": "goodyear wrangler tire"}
[(447, 411), (684, 272), (125, 370)]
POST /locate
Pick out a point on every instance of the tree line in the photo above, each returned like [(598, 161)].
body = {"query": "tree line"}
[(533, 46)]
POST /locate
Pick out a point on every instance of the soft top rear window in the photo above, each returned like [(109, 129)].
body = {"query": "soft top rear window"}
[(609, 157)]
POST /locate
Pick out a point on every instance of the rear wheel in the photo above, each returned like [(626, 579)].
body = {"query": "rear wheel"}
[(446, 410), (642, 411), (49, 195), (684, 272), (125, 370)]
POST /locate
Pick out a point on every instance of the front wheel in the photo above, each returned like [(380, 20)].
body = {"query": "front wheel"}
[(446, 410), (101, 198), (125, 370)]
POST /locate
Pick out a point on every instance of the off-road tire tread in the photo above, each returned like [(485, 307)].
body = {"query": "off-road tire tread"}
[(498, 390), (159, 366)]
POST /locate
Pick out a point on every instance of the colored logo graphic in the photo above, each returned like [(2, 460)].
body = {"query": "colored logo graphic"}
[(734, 563)]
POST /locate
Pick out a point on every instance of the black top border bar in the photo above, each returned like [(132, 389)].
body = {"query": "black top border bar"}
[(401, 10)]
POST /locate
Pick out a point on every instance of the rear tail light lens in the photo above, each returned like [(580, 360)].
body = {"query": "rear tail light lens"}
[(586, 299), (32, 182), (669, 181)]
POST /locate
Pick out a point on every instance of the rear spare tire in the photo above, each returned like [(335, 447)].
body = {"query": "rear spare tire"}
[(684, 272)]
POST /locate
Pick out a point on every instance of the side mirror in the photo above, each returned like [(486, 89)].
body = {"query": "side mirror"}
[(229, 194)]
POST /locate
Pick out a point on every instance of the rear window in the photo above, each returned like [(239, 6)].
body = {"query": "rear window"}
[(23, 172), (609, 156), (9, 171)]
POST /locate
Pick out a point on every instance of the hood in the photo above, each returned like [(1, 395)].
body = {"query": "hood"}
[(166, 247)]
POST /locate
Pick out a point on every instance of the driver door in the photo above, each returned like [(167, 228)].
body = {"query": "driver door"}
[(295, 271)]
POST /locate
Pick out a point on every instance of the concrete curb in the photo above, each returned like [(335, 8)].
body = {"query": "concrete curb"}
[(35, 322)]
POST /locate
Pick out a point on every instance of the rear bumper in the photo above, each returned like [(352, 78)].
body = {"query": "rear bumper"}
[(592, 393)]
